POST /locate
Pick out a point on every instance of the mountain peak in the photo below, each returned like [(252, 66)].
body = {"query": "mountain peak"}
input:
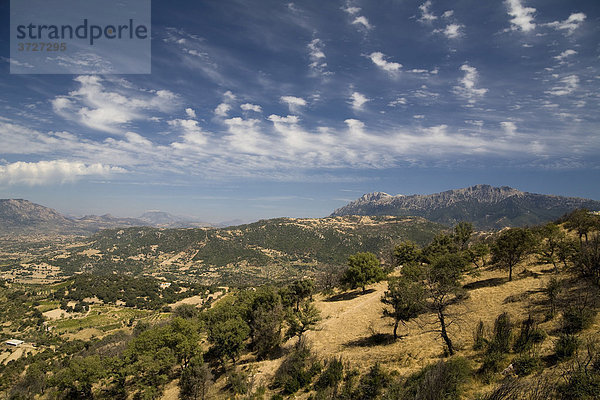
[(375, 196)]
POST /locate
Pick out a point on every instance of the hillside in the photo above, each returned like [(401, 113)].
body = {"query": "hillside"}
[(275, 249), (487, 207), (528, 335), (22, 216)]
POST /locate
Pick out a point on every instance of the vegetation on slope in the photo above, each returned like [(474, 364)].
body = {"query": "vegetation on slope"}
[(532, 337)]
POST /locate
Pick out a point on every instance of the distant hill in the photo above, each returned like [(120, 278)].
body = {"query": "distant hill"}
[(163, 219), (22, 217), (487, 207), (267, 250)]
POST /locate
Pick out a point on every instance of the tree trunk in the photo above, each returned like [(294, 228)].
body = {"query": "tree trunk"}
[(510, 267), (396, 329), (444, 333)]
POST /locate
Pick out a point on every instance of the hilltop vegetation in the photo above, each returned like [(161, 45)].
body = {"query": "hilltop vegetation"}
[(265, 251)]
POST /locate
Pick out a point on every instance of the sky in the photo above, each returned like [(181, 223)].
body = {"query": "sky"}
[(260, 109)]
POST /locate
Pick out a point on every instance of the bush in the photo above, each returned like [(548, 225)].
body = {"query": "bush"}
[(479, 340), (525, 364), (443, 380), (566, 346), (238, 382), (332, 376), (529, 335), (576, 319), (372, 384), (519, 389), (502, 333), (493, 362), (297, 370), (581, 385)]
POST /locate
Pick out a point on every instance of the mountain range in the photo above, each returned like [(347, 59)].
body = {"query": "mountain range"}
[(487, 207), (18, 216)]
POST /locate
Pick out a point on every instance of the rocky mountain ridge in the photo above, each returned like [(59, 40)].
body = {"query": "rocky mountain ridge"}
[(486, 206)]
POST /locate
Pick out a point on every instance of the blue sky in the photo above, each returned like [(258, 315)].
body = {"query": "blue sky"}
[(274, 108)]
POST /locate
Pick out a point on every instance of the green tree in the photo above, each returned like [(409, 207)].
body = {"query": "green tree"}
[(442, 243), (363, 269), (511, 247), (582, 222), (443, 288), (407, 252), (478, 253), (195, 380), (406, 299), (462, 234), (301, 290), (265, 326), (228, 337), (552, 290), (552, 237), (77, 378), (302, 320)]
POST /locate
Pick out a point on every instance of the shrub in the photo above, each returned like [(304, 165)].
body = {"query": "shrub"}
[(525, 364), (297, 369), (529, 335), (519, 389), (566, 346), (332, 376), (581, 385), (493, 362), (502, 334), (238, 382), (479, 340), (576, 319), (372, 384), (443, 380)]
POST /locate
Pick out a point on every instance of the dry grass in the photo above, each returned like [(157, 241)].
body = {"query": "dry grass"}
[(352, 326)]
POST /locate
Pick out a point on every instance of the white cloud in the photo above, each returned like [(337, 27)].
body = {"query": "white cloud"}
[(467, 88), (109, 105), (400, 101), (476, 122), (251, 107), (509, 128), (52, 172), (570, 24), (317, 57), (522, 17), (451, 31), (426, 15), (290, 119), (448, 14), (222, 110), (567, 85), (363, 21), (419, 116), (190, 113), (351, 10), (358, 100), (565, 54), (229, 96), (378, 59), (294, 103)]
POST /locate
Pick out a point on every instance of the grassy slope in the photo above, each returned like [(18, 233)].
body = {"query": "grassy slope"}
[(347, 323)]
